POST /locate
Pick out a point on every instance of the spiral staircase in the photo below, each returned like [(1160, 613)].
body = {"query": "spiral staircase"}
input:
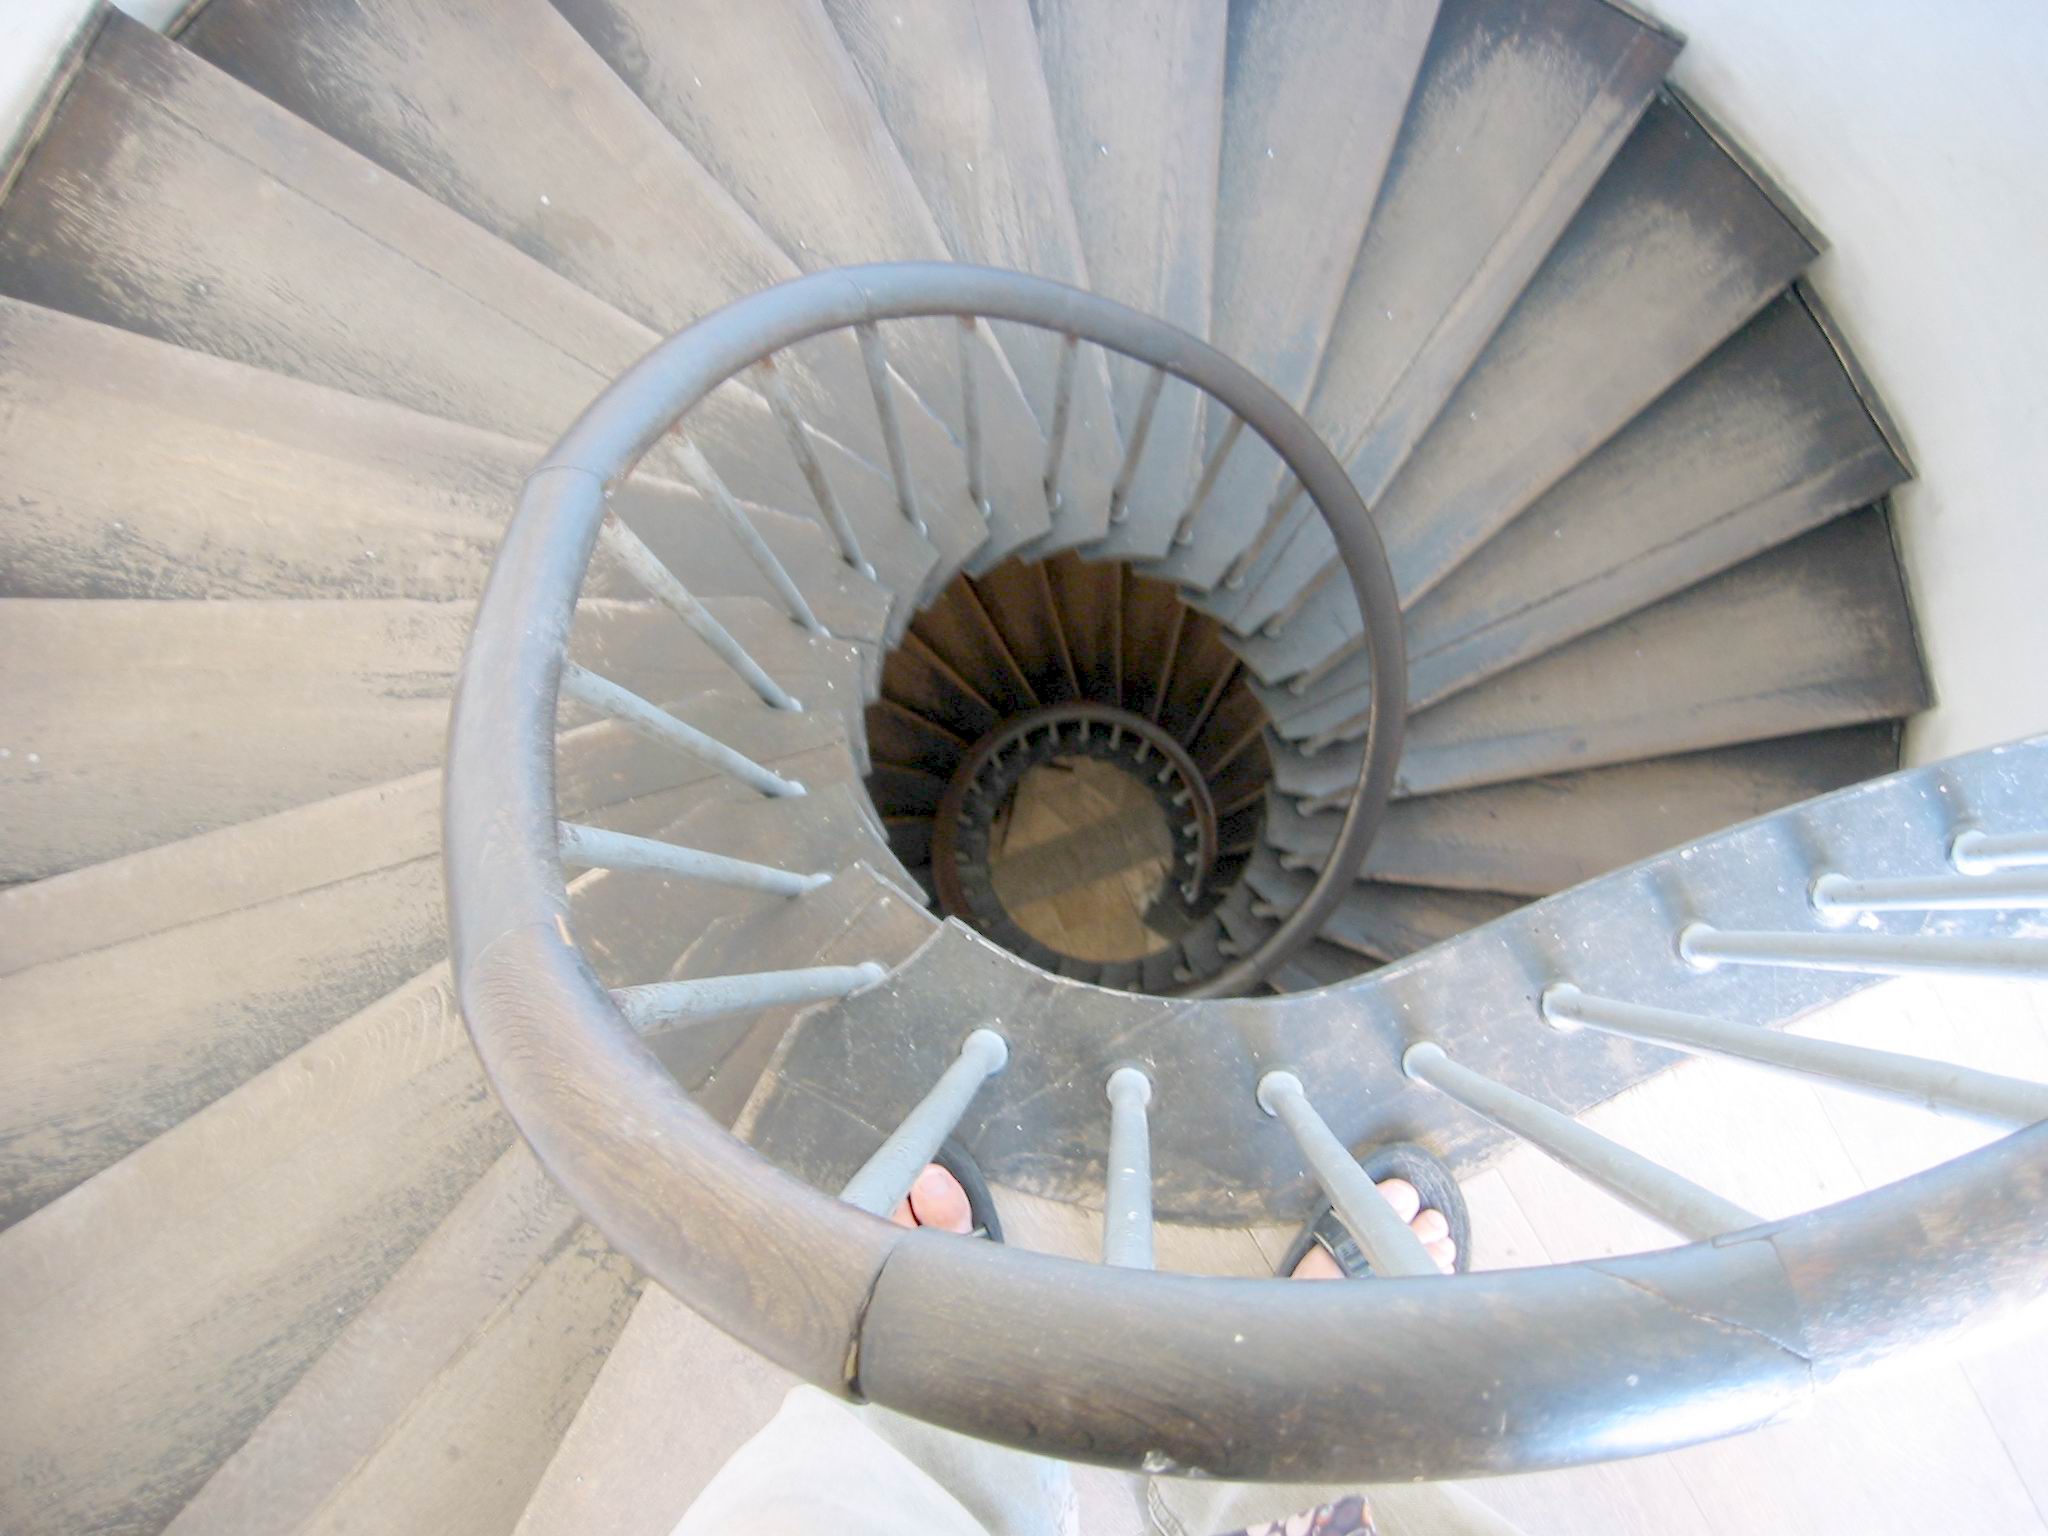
[(923, 599)]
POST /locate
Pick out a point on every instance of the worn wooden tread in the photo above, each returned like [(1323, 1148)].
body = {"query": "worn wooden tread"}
[(138, 723), (749, 104), (593, 187), (1673, 251), (1136, 93), (1535, 836), (1308, 85), (1812, 635), (1766, 438), (145, 470), (1519, 107), (964, 99), (157, 1312)]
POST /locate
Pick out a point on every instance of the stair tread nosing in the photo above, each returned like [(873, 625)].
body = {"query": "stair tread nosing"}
[(140, 722), (963, 95), (1673, 251), (1532, 837), (1136, 91), (1309, 84), (233, 991), (775, 112), (145, 470), (350, 1400), (1765, 439), (504, 114), (293, 853), (365, 284), (1814, 634), (1519, 107), (156, 1312)]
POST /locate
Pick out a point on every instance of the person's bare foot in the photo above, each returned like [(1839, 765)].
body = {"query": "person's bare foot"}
[(1429, 1225), (935, 1200)]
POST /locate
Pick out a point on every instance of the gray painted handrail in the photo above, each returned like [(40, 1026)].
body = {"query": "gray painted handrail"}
[(1524, 1369)]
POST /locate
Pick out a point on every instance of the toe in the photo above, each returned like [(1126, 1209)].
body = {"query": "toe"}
[(1401, 1195), (937, 1200), (1430, 1225)]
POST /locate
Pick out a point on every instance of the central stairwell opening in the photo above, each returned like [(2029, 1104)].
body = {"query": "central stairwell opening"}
[(1073, 761)]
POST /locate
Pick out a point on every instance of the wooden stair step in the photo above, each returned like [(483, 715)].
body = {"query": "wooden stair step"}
[(962, 93), (1767, 438), (1536, 836), (602, 769), (775, 112), (903, 738), (158, 1311), (145, 470), (1673, 251), (234, 990), (1136, 91), (354, 1397), (1812, 635), (1309, 84), (502, 113), (1519, 107), (458, 1460), (1318, 963), (1380, 921), (139, 722)]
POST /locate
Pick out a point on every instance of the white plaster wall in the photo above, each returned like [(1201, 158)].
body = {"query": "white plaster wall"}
[(1915, 134)]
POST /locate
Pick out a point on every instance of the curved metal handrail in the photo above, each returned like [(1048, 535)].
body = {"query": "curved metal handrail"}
[(1401, 1378)]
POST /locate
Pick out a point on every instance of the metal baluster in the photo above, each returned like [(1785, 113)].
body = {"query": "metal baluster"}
[(1975, 852), (1120, 490), (1184, 530), (647, 568), (1127, 1197), (607, 697), (877, 362), (776, 390), (970, 412), (1062, 411), (1388, 1243), (1277, 625), (1242, 565), (1841, 896), (700, 473), (1934, 1085), (599, 848), (1870, 954), (885, 1178), (1651, 1188), (712, 997)]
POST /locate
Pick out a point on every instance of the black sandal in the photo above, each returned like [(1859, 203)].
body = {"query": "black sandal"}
[(981, 1206), (1396, 1160)]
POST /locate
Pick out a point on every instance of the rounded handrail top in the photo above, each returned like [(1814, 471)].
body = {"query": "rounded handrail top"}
[(1236, 1378)]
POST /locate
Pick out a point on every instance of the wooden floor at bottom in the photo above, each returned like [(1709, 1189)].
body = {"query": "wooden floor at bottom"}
[(1956, 1444)]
